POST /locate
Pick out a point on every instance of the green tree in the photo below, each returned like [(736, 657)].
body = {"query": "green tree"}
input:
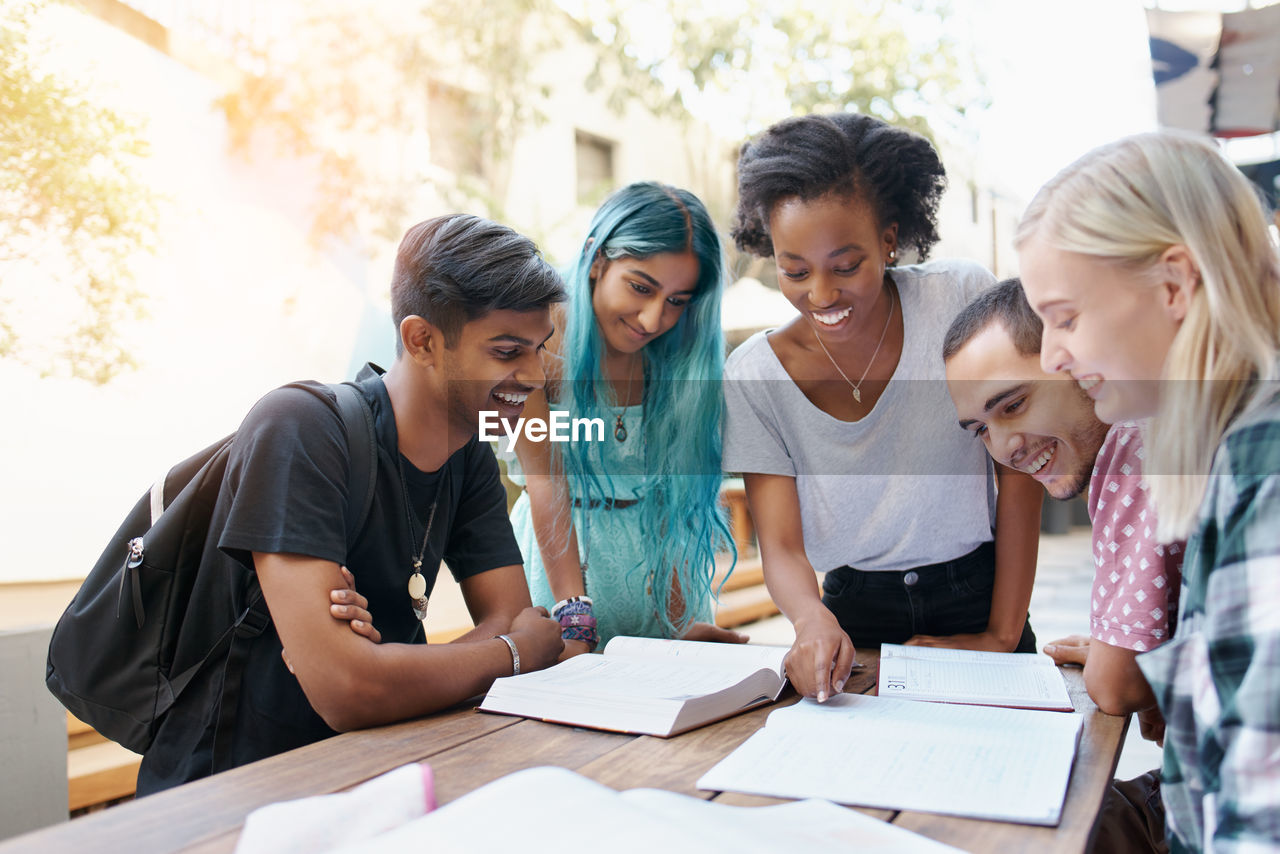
[(747, 63), (384, 99), (741, 65), (74, 213)]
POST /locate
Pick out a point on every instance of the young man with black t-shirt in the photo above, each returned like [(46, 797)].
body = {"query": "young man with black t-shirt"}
[(472, 301)]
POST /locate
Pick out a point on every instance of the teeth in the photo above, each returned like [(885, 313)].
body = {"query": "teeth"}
[(512, 399), (831, 318), (1040, 461), (1087, 383)]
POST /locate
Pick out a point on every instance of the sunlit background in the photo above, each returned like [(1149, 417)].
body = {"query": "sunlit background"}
[(201, 198)]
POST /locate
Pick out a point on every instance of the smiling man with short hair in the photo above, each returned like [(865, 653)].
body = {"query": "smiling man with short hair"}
[(1044, 424), (472, 305)]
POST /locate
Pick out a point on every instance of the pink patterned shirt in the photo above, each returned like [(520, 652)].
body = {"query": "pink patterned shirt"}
[(1136, 579)]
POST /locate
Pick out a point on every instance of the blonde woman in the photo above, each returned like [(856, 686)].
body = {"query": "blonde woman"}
[(1151, 264)]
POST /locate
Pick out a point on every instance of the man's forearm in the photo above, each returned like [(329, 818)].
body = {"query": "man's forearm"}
[(1017, 542), (386, 683)]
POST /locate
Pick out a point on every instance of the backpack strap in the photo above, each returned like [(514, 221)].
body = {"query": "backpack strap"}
[(362, 473), (362, 450)]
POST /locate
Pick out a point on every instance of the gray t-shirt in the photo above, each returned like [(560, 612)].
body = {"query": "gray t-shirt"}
[(900, 488)]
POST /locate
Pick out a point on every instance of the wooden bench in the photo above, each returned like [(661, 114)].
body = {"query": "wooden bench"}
[(733, 494), (743, 598), (99, 772)]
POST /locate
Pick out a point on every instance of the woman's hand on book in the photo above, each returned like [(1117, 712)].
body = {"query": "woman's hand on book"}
[(713, 634), (819, 662)]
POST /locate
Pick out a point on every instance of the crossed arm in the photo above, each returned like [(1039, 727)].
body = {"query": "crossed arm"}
[(352, 683)]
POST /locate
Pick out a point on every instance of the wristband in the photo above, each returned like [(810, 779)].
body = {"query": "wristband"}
[(515, 654), (583, 634), (564, 603)]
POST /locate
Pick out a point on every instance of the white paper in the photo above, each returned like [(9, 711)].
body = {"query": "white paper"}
[(512, 814), (976, 761), (321, 822), (1018, 680)]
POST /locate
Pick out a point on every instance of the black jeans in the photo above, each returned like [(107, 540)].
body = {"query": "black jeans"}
[(947, 598)]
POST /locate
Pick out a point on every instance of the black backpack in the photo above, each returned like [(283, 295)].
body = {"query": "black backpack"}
[(111, 654)]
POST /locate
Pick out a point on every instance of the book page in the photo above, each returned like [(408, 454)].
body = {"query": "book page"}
[(655, 696), (624, 678), (1007, 764), (970, 676), (744, 657)]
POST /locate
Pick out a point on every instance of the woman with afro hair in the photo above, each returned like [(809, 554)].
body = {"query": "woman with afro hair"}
[(840, 420)]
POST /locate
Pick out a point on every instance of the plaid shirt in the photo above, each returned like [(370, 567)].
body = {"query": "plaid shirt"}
[(1218, 680)]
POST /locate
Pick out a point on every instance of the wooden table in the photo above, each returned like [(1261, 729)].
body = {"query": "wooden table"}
[(468, 748)]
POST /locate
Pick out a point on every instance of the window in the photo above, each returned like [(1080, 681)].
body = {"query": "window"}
[(456, 130), (594, 159)]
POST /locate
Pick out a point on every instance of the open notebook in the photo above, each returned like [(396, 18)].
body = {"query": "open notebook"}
[(1017, 680), (975, 761), (645, 685)]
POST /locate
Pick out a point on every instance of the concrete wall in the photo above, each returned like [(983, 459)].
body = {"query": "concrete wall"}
[(33, 737)]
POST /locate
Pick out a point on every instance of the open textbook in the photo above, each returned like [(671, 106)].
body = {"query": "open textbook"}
[(1017, 680), (645, 685), (974, 761), (512, 814)]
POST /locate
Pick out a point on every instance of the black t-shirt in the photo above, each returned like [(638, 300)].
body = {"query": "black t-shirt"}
[(285, 491)]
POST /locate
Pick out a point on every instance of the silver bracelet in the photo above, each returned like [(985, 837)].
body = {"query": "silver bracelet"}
[(515, 655)]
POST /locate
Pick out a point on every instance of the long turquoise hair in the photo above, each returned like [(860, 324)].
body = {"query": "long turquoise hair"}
[(683, 403)]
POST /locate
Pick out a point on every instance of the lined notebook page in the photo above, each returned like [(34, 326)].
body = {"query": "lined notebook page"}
[(976, 761), (1020, 680)]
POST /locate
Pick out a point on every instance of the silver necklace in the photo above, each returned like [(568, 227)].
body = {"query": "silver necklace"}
[(417, 581), (619, 428), (857, 395)]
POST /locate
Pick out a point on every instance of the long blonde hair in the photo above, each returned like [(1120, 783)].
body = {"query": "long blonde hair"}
[(1126, 203)]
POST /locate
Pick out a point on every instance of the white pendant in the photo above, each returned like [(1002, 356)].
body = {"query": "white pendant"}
[(857, 395), (418, 595), (417, 586)]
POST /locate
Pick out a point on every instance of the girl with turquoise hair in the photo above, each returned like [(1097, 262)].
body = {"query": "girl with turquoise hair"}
[(619, 532)]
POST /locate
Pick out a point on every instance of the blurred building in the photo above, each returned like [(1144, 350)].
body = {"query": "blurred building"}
[(242, 300)]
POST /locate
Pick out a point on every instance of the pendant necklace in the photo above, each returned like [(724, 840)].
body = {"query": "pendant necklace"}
[(417, 581), (857, 394), (620, 429)]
